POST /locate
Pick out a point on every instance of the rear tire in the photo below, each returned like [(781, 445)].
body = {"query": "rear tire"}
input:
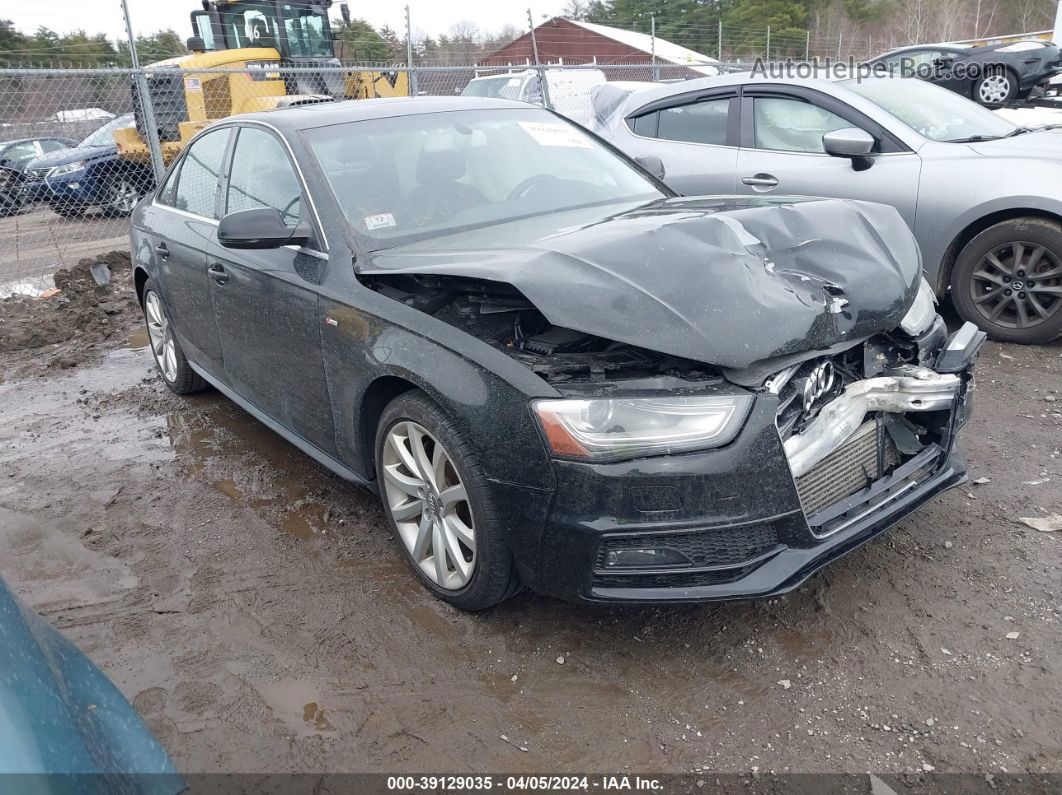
[(176, 373), (123, 195), (422, 508), (1008, 281), (997, 87)]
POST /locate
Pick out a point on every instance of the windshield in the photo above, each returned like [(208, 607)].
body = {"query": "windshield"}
[(307, 31), (501, 87), (255, 25), (435, 173), (935, 112), (104, 136)]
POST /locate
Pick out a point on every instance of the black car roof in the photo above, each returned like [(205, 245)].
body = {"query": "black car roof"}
[(323, 114)]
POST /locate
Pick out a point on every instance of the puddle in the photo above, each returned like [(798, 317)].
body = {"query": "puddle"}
[(138, 340), (297, 704), (312, 714), (222, 438)]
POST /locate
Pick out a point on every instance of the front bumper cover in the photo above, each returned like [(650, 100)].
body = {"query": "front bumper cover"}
[(740, 500)]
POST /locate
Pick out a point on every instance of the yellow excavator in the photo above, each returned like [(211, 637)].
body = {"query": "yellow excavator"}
[(266, 53)]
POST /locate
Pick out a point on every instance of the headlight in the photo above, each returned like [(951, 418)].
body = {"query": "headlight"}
[(69, 168), (613, 429), (922, 312)]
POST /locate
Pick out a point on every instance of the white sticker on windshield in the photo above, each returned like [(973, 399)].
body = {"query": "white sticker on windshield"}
[(381, 221), (549, 134)]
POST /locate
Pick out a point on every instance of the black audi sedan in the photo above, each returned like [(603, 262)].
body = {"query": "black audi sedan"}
[(554, 372)]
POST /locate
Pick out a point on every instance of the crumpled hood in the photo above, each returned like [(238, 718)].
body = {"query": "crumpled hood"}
[(729, 281)]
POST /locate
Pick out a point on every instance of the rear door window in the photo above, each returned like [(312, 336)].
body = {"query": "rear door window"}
[(703, 122)]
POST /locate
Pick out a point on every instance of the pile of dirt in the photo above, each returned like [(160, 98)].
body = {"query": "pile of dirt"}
[(82, 309)]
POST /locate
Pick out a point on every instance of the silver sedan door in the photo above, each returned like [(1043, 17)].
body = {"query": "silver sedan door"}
[(782, 152), (695, 135)]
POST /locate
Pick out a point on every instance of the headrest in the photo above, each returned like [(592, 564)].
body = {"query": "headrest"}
[(440, 165)]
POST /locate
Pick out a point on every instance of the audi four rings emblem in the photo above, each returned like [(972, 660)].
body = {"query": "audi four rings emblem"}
[(818, 384)]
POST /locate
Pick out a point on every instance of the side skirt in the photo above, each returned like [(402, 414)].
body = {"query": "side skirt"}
[(320, 456)]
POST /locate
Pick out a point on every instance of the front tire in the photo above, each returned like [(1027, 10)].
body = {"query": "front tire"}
[(1008, 281), (997, 87), (439, 504), (173, 366), (122, 196)]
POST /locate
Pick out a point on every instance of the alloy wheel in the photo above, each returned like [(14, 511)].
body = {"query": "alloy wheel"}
[(124, 196), (994, 89), (163, 345), (1017, 285), (429, 504)]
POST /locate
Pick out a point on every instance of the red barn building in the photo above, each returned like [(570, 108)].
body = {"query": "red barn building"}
[(569, 41)]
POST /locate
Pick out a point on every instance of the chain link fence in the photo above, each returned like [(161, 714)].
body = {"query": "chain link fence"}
[(76, 144)]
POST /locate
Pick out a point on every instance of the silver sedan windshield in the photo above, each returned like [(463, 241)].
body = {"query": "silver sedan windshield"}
[(934, 112), (423, 173)]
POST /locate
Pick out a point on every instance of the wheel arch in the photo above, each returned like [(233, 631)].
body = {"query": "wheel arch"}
[(976, 227), (140, 277), (377, 397)]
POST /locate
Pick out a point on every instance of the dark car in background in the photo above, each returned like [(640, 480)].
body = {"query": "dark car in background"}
[(554, 371), (64, 727), (89, 174), (993, 76), (14, 156)]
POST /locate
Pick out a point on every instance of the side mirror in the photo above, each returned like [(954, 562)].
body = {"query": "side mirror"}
[(259, 229), (196, 44), (653, 164), (850, 142)]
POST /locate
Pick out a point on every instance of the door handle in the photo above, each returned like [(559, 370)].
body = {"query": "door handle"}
[(760, 181), (162, 251), (218, 274)]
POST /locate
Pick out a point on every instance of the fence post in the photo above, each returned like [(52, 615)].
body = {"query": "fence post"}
[(409, 55), (719, 48), (652, 28), (158, 166), (840, 39), (807, 46), (538, 64), (768, 58)]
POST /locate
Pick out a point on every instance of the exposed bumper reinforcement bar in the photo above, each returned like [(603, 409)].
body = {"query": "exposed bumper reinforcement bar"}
[(905, 389)]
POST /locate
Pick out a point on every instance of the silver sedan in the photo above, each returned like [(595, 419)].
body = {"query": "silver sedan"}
[(981, 194)]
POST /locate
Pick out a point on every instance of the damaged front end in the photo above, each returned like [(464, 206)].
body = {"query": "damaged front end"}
[(826, 395), (862, 428)]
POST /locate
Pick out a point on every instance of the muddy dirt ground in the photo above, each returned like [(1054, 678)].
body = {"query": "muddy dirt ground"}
[(257, 613)]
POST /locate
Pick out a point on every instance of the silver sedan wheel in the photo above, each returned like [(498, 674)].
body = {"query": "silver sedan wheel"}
[(994, 89), (162, 343), (428, 502)]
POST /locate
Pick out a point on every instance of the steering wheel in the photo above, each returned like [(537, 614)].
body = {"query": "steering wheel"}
[(521, 190)]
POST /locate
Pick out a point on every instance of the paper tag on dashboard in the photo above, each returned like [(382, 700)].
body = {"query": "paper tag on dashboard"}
[(549, 134), (381, 221)]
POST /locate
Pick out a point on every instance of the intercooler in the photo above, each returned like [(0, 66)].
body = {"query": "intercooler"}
[(862, 459)]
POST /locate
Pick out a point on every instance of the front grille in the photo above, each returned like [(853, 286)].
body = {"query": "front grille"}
[(861, 460), (34, 176), (724, 546)]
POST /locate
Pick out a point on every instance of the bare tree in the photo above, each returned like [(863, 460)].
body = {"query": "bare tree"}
[(576, 9)]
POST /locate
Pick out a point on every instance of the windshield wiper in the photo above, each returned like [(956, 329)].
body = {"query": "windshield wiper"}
[(973, 139), (1019, 131)]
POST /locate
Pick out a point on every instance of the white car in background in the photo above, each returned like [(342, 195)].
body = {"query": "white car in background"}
[(569, 89)]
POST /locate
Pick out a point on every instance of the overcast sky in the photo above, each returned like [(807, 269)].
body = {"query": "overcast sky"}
[(429, 16)]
